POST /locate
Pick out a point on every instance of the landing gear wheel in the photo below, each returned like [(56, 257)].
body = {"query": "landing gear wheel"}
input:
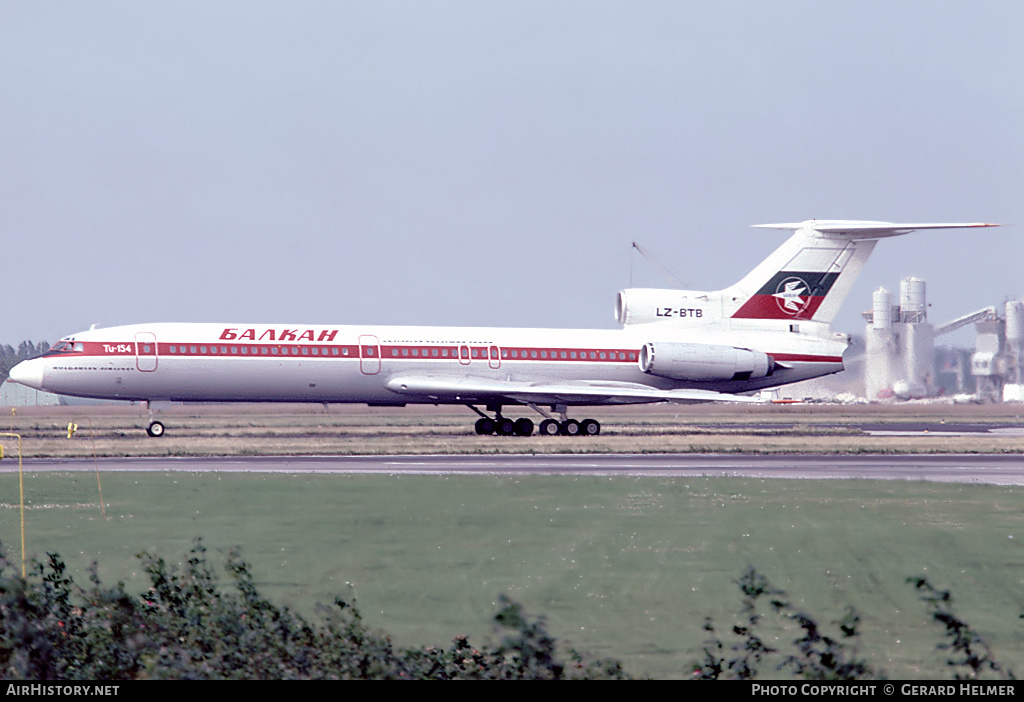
[(484, 426), (155, 429), (524, 427), (549, 427), (590, 427), (505, 426), (570, 427)]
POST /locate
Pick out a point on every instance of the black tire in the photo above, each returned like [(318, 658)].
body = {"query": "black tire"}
[(570, 427), (505, 426), (524, 426), (590, 427), (484, 426), (155, 429), (549, 427)]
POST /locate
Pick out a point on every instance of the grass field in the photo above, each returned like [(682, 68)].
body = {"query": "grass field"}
[(621, 567), (346, 430)]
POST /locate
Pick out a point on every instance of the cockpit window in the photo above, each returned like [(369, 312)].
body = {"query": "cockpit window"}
[(64, 346)]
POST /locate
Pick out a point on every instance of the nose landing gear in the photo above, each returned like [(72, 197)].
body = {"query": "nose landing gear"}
[(155, 428)]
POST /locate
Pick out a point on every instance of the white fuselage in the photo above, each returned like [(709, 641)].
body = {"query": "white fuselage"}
[(314, 363)]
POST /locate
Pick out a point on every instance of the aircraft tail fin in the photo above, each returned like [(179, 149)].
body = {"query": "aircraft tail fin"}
[(809, 276)]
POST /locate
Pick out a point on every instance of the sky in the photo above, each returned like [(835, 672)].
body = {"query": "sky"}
[(487, 163)]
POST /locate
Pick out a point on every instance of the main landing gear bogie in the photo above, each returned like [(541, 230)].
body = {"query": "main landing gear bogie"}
[(503, 426), (570, 427)]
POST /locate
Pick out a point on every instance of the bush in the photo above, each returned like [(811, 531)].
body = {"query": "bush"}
[(817, 655), (186, 626)]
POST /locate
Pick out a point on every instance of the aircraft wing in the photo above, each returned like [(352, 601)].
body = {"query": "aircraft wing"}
[(473, 390)]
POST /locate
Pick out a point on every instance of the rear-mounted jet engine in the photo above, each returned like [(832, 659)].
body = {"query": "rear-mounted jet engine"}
[(704, 362)]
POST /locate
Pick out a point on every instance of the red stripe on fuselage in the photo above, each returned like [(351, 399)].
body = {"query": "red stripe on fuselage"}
[(443, 352), (805, 358), (393, 352)]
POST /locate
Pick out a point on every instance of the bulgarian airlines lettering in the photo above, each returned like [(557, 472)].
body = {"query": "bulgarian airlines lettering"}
[(233, 334), (745, 341)]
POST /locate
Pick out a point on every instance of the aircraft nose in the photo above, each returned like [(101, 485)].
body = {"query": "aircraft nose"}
[(29, 373)]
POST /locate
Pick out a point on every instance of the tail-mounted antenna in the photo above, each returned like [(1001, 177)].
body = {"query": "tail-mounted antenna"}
[(660, 268)]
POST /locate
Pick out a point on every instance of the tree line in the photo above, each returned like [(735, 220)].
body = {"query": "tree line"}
[(10, 357)]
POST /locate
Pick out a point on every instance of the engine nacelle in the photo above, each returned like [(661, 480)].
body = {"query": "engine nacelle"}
[(704, 362), (643, 305)]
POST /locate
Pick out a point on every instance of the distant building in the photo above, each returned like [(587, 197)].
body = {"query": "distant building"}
[(901, 356), (17, 395)]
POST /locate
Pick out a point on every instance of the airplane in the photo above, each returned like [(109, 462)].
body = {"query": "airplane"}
[(771, 328)]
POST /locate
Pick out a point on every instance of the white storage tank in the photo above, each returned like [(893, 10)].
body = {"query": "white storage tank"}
[(912, 301), (1014, 322), (881, 313)]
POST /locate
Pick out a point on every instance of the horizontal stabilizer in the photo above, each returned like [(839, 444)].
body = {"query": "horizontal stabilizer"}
[(856, 229)]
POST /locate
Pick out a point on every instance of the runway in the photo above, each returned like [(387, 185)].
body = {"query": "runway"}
[(984, 469)]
